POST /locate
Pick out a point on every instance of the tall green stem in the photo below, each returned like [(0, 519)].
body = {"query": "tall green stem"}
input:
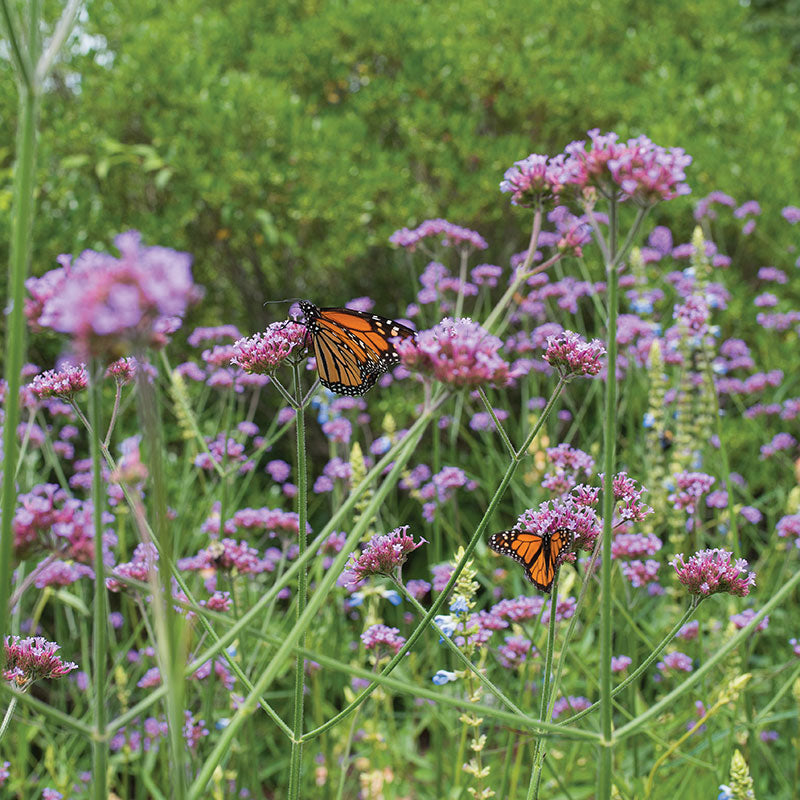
[(22, 216), (609, 448), (302, 589), (546, 688), (100, 621), (169, 630)]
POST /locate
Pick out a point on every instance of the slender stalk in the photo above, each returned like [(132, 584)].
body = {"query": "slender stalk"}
[(48, 712), (22, 216), (114, 411), (20, 56), (7, 718), (295, 763), (169, 638), (544, 700), (519, 278), (609, 448), (100, 621)]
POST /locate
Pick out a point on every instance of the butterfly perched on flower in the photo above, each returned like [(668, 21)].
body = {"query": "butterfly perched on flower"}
[(540, 553), (352, 348)]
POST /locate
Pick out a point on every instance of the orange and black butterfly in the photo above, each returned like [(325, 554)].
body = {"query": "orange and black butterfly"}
[(352, 348), (540, 553)]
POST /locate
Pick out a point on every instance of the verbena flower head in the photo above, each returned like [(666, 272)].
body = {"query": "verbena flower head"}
[(789, 526), (639, 169), (458, 352), (534, 179), (63, 383), (572, 356), (264, 352), (108, 304), (382, 555), (450, 233), (711, 571), (381, 636), (30, 659), (563, 513), (690, 487)]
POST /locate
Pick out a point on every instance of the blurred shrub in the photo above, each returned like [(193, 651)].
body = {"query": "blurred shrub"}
[(282, 143)]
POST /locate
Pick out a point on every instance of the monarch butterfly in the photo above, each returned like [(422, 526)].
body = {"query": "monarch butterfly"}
[(352, 348), (540, 553)]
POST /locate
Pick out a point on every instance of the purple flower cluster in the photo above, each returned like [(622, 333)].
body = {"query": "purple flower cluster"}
[(789, 526), (675, 662), (227, 554), (710, 571), (456, 352), (145, 559), (561, 513), (690, 487), (572, 356), (31, 659), (439, 286), (264, 352), (637, 169), (781, 441), (63, 383), (381, 555), (515, 651), (450, 233), (745, 617), (571, 704), (107, 304), (382, 636), (568, 461), (440, 488)]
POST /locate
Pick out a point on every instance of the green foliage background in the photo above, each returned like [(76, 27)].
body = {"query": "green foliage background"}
[(281, 143)]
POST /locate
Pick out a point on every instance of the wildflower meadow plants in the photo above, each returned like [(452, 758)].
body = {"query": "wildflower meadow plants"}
[(222, 580)]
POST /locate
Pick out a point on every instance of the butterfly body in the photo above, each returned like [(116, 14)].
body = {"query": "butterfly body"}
[(540, 553), (352, 348)]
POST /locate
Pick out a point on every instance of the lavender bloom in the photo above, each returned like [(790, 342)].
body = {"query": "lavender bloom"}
[(789, 526), (571, 704), (640, 573), (620, 663), (675, 662), (691, 486), (145, 558), (781, 441), (418, 588), (450, 233), (710, 571), (514, 653), (688, 631), (377, 636), (123, 370), (702, 209), (216, 334), (751, 514), (105, 303), (458, 352), (226, 554), (28, 660), (791, 214), (264, 352), (744, 618), (563, 513), (382, 555), (63, 383)]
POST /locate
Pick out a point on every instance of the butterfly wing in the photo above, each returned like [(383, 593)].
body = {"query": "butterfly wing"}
[(353, 348), (540, 554)]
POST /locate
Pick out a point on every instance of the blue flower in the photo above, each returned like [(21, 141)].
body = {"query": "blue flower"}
[(446, 623), (443, 676), (725, 792), (459, 606), (392, 596), (649, 420), (355, 599)]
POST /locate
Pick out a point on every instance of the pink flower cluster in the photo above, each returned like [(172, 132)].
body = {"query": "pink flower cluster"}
[(30, 659), (107, 304), (382, 555), (690, 487), (450, 233), (145, 558), (789, 526), (567, 513), (382, 636), (63, 383), (264, 352), (572, 356), (710, 571), (535, 179), (226, 554), (456, 352), (568, 461)]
